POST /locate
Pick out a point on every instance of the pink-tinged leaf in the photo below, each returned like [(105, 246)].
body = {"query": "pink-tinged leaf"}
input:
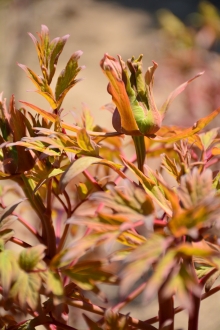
[(82, 164), (151, 188), (175, 93), (38, 48), (212, 280), (116, 88), (141, 260), (188, 132)]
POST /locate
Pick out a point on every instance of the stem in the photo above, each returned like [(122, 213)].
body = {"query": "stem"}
[(193, 323), (48, 233), (140, 149), (65, 232), (179, 309), (20, 242), (25, 223), (101, 311), (166, 310), (129, 298)]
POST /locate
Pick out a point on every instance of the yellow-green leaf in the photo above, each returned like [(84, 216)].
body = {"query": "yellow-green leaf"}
[(82, 164)]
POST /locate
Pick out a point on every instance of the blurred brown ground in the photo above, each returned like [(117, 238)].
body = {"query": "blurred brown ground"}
[(96, 27)]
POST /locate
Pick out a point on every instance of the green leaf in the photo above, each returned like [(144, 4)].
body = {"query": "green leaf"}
[(26, 290), (86, 274), (67, 78), (54, 284), (86, 144), (56, 47), (30, 257), (9, 269), (26, 326), (208, 138), (81, 165), (152, 188)]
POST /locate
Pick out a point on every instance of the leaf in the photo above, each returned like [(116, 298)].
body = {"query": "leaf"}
[(29, 295), (190, 221), (42, 86), (140, 261), (92, 325), (215, 151), (56, 47), (86, 274), (170, 166), (66, 79), (208, 138), (212, 280), (9, 210), (195, 187), (30, 257), (116, 88), (81, 165), (130, 199), (85, 142), (175, 93), (151, 187), (73, 128), (26, 326), (198, 126), (54, 284), (9, 270)]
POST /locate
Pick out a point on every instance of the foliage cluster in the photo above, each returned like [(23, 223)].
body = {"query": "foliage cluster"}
[(93, 217)]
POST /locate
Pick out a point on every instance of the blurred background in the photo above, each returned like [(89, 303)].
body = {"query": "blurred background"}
[(182, 36)]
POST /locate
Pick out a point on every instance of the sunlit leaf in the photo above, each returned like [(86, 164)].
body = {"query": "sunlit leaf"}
[(116, 88), (151, 188), (9, 269), (56, 47), (30, 257), (82, 164), (54, 284), (86, 143), (29, 295), (198, 126), (175, 93), (67, 78)]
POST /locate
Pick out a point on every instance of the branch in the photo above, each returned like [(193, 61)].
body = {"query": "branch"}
[(101, 311)]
